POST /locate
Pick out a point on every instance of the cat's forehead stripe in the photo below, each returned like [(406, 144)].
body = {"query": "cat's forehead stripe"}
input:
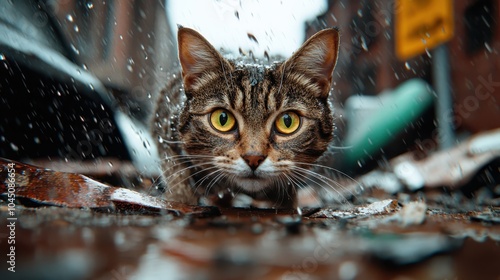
[(238, 100), (271, 103)]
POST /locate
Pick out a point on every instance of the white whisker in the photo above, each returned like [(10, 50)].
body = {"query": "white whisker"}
[(314, 177), (205, 177), (176, 157), (184, 162), (187, 168), (300, 183), (192, 176), (335, 170), (158, 179), (281, 194), (172, 142), (213, 182)]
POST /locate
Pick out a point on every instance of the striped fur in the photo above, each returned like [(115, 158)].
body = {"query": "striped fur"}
[(256, 95)]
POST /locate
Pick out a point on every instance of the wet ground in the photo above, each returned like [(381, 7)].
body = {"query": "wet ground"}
[(69, 226)]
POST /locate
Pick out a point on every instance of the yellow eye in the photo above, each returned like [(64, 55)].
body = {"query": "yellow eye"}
[(287, 123), (222, 120)]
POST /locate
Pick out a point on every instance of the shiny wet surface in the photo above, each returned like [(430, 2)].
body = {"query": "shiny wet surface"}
[(380, 237)]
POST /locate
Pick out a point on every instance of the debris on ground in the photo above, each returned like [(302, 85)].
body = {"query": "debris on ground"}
[(70, 226)]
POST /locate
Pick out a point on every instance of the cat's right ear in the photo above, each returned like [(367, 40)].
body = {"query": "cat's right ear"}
[(314, 62), (199, 59)]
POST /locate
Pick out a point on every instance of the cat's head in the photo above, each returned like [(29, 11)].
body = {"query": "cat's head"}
[(257, 124)]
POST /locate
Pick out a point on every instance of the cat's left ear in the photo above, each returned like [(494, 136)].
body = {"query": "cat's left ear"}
[(315, 61)]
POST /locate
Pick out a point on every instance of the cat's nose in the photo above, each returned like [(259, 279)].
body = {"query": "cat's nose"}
[(254, 160)]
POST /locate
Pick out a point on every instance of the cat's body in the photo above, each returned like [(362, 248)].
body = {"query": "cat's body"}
[(249, 128)]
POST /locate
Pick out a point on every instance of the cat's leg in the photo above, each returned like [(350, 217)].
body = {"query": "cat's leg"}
[(181, 193), (177, 185)]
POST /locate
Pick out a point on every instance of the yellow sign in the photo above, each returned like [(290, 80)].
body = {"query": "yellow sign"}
[(421, 25)]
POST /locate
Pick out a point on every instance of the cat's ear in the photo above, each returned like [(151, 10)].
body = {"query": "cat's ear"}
[(315, 61), (199, 59)]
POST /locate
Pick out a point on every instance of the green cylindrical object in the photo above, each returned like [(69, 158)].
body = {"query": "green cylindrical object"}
[(390, 113)]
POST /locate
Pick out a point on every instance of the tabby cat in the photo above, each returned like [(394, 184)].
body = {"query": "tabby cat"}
[(257, 129)]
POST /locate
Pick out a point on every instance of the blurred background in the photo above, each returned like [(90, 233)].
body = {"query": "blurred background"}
[(416, 95), (78, 79)]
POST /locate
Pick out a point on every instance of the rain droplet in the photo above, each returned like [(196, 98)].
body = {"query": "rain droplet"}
[(363, 43), (110, 164), (129, 68), (14, 147), (90, 6), (407, 66), (257, 228), (37, 140), (76, 28), (69, 18), (428, 53), (121, 37), (91, 86), (220, 195), (75, 49), (360, 13), (252, 37), (488, 47), (2, 56), (119, 238)]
